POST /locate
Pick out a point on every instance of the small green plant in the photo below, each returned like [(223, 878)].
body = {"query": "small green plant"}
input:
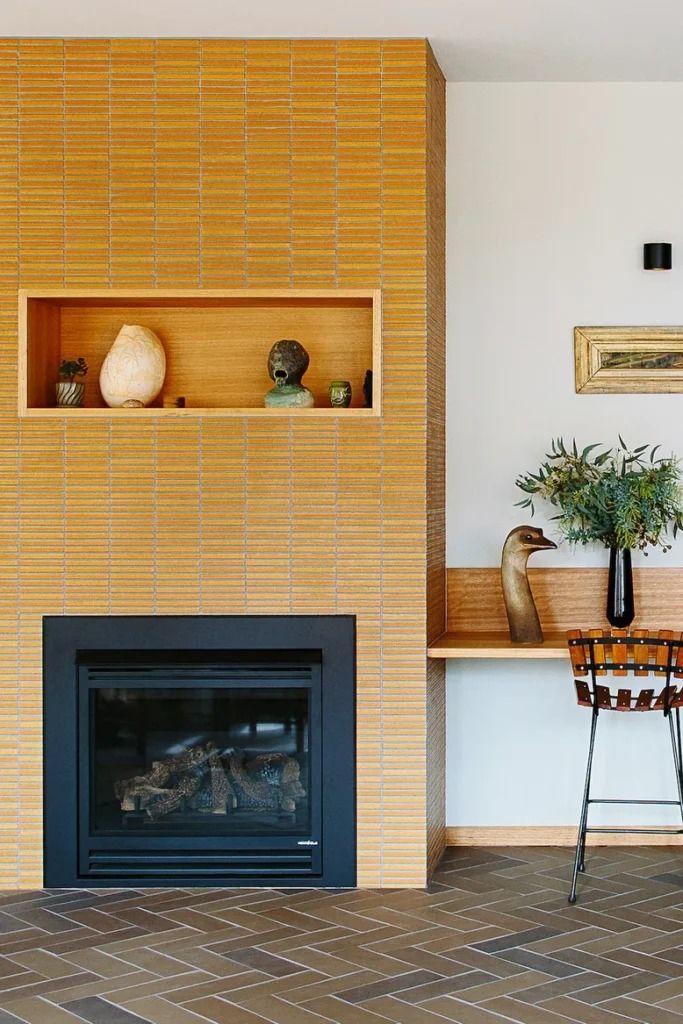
[(619, 497), (69, 369)]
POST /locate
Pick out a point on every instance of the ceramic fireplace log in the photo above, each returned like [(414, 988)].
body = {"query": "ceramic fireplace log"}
[(205, 782), (175, 780)]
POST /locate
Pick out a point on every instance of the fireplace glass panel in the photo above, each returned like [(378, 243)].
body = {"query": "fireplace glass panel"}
[(200, 760)]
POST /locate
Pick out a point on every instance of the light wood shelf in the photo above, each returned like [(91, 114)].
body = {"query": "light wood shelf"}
[(154, 411), (216, 344), (566, 598), (496, 645)]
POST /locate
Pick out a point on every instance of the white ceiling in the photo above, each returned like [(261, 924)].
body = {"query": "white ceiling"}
[(475, 40)]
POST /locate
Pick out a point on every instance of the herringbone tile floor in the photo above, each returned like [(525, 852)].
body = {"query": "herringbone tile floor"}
[(493, 940)]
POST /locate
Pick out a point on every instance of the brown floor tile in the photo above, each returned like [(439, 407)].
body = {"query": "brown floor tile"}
[(51, 987), (674, 1005), (399, 1012), (160, 1011), (258, 960), (525, 982), (157, 986), (36, 1010), (404, 983), (218, 1010), (204, 923), (44, 964), (99, 986), (554, 966), (619, 987), (552, 988), (273, 1008), (584, 1013), (96, 962), (492, 941), (595, 964), (98, 1011), (524, 938), (184, 994), (526, 1013), (343, 1013), (314, 986), (640, 1011), (663, 990), (464, 1013), (362, 957)]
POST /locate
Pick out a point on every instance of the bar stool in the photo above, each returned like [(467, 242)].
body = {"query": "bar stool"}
[(595, 653)]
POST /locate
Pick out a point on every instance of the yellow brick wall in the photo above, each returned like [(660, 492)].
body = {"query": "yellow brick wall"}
[(185, 163)]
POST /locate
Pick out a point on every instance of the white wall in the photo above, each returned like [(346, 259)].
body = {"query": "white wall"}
[(552, 189)]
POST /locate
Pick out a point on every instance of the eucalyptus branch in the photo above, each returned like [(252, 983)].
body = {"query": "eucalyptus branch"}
[(619, 497)]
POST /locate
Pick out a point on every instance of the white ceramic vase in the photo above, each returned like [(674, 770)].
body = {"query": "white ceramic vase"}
[(134, 368)]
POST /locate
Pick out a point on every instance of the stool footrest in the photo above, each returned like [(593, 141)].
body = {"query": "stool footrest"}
[(640, 831), (671, 803)]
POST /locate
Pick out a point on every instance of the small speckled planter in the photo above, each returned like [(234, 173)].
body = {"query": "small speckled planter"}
[(70, 392)]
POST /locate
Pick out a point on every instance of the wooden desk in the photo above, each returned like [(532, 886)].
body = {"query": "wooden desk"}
[(477, 644)]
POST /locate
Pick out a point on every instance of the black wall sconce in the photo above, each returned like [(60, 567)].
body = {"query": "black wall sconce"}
[(657, 256)]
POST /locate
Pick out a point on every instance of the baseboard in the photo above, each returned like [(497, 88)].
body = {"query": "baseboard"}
[(552, 835)]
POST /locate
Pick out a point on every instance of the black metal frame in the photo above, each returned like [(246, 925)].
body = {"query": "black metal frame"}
[(675, 734), (73, 644)]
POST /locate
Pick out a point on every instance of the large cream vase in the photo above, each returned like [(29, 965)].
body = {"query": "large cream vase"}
[(134, 368)]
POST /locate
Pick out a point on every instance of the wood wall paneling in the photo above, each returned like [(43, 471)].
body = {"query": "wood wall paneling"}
[(229, 164), (551, 835), (566, 598)]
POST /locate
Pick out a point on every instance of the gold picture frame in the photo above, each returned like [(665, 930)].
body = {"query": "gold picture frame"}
[(628, 360)]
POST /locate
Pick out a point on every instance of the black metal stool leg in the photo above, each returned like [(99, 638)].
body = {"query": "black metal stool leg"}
[(675, 740), (583, 821), (680, 749), (582, 860)]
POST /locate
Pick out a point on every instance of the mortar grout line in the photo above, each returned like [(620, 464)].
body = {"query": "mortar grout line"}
[(64, 145), (200, 166), (65, 505), (290, 512), (155, 518), (381, 485), (336, 166), (245, 500), (110, 73), (18, 490), (290, 172), (110, 513), (200, 515), (155, 163), (245, 140)]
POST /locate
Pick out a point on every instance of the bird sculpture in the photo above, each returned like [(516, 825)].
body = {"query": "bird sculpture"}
[(525, 626)]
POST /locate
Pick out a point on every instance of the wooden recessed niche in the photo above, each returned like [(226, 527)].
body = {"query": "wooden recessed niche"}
[(216, 343)]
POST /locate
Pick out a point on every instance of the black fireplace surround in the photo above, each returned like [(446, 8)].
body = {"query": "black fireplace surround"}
[(199, 750)]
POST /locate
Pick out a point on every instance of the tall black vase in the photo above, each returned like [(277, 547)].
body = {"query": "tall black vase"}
[(620, 610)]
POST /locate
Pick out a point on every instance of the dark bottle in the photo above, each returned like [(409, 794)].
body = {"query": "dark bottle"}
[(620, 609)]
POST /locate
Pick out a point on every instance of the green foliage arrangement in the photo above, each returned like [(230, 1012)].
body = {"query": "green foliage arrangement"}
[(69, 369), (617, 496)]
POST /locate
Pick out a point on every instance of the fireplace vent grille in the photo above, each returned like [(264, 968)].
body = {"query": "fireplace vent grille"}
[(179, 864)]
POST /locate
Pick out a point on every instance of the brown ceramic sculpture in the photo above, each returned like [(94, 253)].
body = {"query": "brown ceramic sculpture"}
[(525, 626), (287, 363)]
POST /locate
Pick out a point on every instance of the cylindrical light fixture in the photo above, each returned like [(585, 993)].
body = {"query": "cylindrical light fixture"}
[(657, 256)]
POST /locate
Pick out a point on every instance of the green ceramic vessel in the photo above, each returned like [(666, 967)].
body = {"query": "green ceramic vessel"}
[(340, 394)]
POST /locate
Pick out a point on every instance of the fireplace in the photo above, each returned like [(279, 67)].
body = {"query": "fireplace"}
[(199, 750)]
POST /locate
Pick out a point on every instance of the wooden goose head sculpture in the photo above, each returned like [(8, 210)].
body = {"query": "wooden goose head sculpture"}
[(525, 627)]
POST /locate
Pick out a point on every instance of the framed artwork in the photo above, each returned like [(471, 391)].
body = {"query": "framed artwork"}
[(623, 360)]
